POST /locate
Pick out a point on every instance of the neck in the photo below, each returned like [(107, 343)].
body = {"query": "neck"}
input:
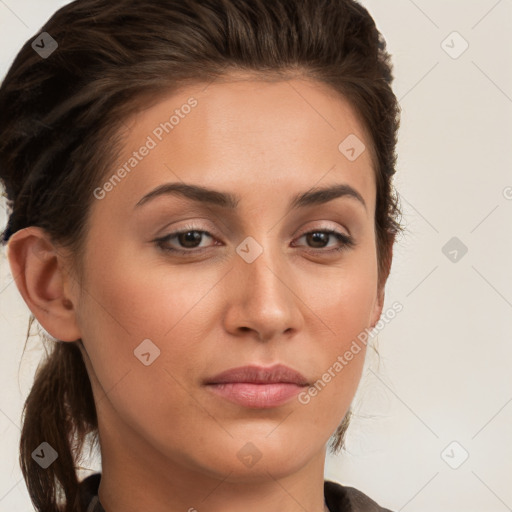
[(142, 478)]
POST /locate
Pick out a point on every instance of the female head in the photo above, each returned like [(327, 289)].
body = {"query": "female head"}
[(266, 102)]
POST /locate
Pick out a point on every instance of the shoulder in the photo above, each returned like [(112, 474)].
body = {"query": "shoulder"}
[(340, 498), (89, 493)]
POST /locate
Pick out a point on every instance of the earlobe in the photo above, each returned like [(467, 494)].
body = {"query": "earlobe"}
[(40, 275), (379, 303)]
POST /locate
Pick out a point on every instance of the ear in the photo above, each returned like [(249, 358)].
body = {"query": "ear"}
[(378, 306), (40, 274), (379, 302)]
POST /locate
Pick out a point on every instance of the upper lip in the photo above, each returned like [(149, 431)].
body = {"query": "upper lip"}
[(259, 375)]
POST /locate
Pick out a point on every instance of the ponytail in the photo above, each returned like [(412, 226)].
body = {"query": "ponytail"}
[(58, 414)]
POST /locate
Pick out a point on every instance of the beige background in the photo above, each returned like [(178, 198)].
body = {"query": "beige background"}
[(444, 372)]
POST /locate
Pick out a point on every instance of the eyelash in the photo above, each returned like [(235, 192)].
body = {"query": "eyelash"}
[(346, 241)]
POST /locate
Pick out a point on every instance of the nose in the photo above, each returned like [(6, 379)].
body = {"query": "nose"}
[(262, 297)]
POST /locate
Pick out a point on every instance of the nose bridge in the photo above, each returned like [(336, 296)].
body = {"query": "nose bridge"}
[(262, 275), (263, 300)]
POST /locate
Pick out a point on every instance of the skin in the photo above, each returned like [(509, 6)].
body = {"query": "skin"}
[(168, 443)]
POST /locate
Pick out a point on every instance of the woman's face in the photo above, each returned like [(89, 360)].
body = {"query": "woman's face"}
[(261, 281)]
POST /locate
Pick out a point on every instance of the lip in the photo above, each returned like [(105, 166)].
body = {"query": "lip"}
[(277, 373), (257, 386)]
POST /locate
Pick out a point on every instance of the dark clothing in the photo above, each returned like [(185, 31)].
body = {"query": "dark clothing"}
[(338, 498)]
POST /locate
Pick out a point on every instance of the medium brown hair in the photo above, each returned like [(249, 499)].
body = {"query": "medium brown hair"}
[(60, 124)]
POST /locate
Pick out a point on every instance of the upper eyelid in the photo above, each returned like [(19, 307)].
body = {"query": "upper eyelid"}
[(213, 231), (208, 232)]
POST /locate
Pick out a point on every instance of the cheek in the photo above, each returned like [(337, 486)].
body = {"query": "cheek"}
[(345, 306), (127, 322), (142, 299), (128, 302), (345, 297)]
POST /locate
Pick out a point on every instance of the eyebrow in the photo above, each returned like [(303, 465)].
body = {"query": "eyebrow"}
[(230, 201)]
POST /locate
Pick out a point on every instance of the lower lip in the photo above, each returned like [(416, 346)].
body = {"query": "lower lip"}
[(256, 395)]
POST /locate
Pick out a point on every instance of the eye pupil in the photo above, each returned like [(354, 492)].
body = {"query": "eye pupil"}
[(189, 236), (319, 237)]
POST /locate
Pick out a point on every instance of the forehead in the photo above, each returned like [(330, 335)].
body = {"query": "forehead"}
[(251, 136)]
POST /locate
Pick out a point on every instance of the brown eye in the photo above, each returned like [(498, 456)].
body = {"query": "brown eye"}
[(319, 239), (188, 241)]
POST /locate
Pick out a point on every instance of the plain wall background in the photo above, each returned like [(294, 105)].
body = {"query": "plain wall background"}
[(444, 372)]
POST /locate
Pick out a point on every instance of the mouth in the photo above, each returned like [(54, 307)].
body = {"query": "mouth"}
[(257, 386)]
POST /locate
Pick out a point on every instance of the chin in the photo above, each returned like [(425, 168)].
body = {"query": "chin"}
[(258, 457)]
